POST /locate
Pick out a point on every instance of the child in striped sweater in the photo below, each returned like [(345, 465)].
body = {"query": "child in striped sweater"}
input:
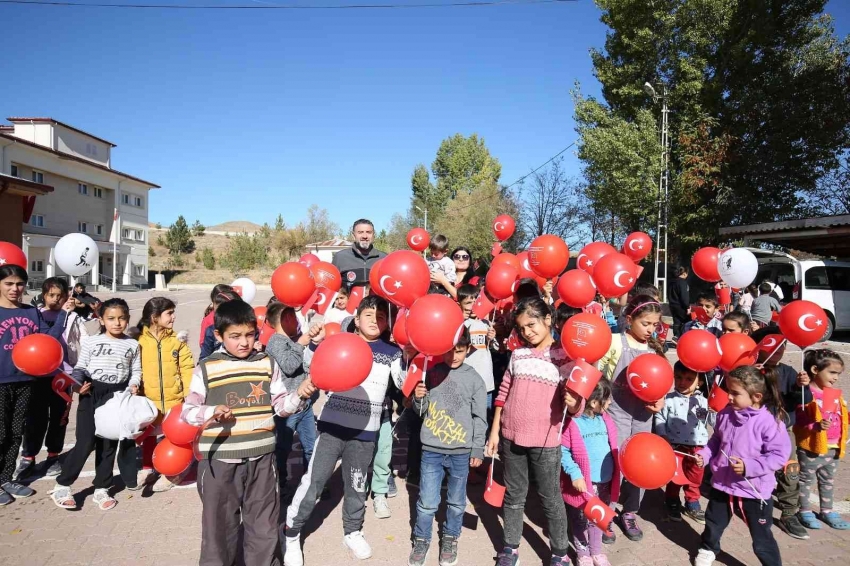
[(588, 459), (533, 381)]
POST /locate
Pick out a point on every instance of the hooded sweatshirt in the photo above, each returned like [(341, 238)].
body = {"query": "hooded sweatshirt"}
[(757, 438)]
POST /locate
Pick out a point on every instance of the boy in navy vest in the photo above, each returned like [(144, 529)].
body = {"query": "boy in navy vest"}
[(238, 391)]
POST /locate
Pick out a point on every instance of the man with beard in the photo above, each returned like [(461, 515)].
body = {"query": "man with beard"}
[(355, 263)]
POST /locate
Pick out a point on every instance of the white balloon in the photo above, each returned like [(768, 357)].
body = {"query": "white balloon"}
[(76, 254), (246, 288), (738, 267)]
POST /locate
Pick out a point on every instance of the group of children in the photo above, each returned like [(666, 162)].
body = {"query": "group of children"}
[(249, 400)]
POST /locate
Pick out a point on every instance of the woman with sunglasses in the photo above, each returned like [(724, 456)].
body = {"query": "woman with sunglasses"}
[(462, 259)]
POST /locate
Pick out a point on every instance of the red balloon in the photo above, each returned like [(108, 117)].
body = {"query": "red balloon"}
[(506, 258), (647, 460), (38, 354), (587, 336), (576, 288), (699, 350), (293, 284), (326, 276), (10, 254), (400, 329), (650, 377), (434, 323), (738, 350), (590, 255), (803, 323), (176, 429), (615, 275), (503, 227), (343, 350), (548, 256), (260, 313), (404, 277), (637, 246), (171, 459), (524, 267), (375, 277), (501, 280), (418, 239), (266, 332), (309, 260), (704, 264), (332, 328)]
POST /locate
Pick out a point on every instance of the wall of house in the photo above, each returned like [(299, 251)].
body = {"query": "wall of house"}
[(75, 143)]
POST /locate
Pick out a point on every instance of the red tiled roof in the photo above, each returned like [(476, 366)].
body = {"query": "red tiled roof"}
[(63, 124)]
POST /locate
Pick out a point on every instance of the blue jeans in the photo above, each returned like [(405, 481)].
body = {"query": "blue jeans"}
[(434, 467), (304, 423)]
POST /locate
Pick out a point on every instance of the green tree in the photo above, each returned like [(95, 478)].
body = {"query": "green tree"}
[(208, 258), (245, 252), (178, 239), (198, 229)]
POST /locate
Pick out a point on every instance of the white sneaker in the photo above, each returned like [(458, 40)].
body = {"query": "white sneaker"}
[(704, 558), (357, 545), (382, 507), (293, 555)]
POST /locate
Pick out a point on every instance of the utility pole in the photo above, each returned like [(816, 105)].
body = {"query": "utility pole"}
[(663, 194)]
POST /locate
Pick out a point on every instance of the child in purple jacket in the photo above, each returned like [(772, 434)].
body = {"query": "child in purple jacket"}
[(749, 444)]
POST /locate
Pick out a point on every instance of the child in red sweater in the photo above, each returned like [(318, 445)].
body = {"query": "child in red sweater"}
[(530, 440)]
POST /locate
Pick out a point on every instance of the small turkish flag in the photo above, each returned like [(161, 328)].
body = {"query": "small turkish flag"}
[(266, 332), (513, 341), (483, 306), (311, 301), (61, 385), (770, 344), (496, 249), (662, 330), (698, 313), (583, 378), (831, 400), (598, 513), (355, 296), (415, 374), (717, 399), (323, 301), (679, 476), (494, 494)]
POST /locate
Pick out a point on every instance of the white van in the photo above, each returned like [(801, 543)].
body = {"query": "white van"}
[(824, 282)]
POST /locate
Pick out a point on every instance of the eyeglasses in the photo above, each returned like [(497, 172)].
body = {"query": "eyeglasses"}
[(460, 257)]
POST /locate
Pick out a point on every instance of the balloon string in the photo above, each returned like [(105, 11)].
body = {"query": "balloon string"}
[(685, 454), (424, 373), (492, 466), (803, 365), (746, 479)]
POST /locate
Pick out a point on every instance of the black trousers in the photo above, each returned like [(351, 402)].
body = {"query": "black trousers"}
[(14, 403), (759, 517), (104, 450), (45, 421), (236, 497)]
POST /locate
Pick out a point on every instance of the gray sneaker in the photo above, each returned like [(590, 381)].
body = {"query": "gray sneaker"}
[(382, 507), (19, 491), (448, 551), (419, 554), (25, 468), (5, 498), (508, 557), (54, 468), (392, 488)]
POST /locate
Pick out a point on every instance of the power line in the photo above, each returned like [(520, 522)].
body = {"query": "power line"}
[(469, 4)]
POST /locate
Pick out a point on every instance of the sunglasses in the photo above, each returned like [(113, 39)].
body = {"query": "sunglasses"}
[(460, 257)]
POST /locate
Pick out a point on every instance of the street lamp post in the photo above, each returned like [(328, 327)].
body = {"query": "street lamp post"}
[(663, 193), (425, 212)]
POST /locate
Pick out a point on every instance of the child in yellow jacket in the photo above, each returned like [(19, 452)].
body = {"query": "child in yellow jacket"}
[(821, 433), (167, 366)]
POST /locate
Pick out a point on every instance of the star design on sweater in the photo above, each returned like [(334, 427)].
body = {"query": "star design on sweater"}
[(256, 392)]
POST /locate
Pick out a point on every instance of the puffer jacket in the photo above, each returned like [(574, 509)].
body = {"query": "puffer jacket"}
[(167, 367)]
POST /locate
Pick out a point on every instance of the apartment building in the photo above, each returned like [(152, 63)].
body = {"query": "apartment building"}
[(87, 191)]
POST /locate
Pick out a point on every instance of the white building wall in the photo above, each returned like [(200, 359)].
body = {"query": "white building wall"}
[(75, 143)]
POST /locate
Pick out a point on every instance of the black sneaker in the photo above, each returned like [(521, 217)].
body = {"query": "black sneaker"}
[(674, 512), (448, 551), (19, 491), (392, 489), (791, 525), (609, 538), (419, 553), (695, 512), (25, 468), (54, 468)]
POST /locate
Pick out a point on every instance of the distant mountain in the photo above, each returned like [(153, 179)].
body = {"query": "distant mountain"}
[(235, 227)]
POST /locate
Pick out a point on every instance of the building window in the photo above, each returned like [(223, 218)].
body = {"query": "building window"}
[(37, 220), (140, 235), (83, 189), (98, 192), (98, 229), (37, 266), (37, 177), (139, 270), (125, 233), (137, 201), (91, 149), (82, 227), (125, 199), (14, 170)]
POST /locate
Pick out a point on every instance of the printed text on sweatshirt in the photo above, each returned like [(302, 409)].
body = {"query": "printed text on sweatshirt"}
[(109, 360), (14, 325)]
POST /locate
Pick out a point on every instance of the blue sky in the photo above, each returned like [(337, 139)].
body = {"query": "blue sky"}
[(241, 115)]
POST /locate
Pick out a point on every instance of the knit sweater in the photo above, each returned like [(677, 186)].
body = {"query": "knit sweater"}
[(356, 413), (532, 397), (808, 433), (573, 443)]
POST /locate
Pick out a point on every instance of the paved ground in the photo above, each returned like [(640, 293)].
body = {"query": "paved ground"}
[(164, 529)]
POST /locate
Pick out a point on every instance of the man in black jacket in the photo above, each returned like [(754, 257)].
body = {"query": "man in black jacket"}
[(680, 300), (355, 263)]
